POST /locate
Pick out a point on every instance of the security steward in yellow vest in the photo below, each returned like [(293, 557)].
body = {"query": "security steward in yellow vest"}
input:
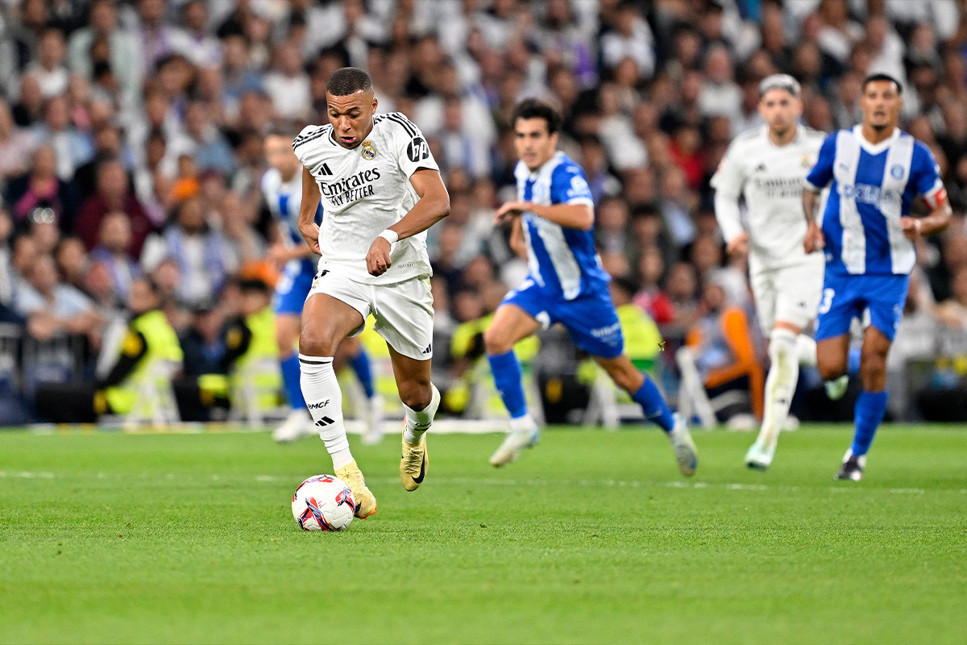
[(251, 349), (148, 341)]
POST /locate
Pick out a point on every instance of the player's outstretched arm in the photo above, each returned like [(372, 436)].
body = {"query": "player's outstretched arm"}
[(432, 206), (307, 212), (579, 216)]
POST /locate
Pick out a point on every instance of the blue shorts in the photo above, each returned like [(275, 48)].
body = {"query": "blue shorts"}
[(847, 296), (293, 286), (590, 318)]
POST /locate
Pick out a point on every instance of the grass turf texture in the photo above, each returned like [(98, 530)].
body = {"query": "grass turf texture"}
[(592, 537)]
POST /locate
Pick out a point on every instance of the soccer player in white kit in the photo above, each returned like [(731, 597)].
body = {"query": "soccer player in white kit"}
[(381, 190), (766, 166), (282, 191)]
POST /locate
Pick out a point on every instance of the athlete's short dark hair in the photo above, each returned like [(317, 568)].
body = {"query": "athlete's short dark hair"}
[(880, 76), (538, 109), (348, 80)]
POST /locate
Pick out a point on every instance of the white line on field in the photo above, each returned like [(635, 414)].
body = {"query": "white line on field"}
[(512, 483)]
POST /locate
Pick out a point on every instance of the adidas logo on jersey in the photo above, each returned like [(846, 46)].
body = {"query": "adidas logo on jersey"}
[(324, 169), (760, 168)]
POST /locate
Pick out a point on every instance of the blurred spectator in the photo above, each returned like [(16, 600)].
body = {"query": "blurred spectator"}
[(726, 354), (629, 35), (103, 40), (287, 84), (52, 307), (43, 229), (28, 111), (49, 68), (202, 255), (17, 144), (837, 33), (462, 147), (108, 143), (204, 142), (23, 250), (650, 297), (112, 194), (681, 286), (611, 223), (158, 38), (72, 262), (676, 204), (111, 252), (39, 189), (720, 94), (203, 48), (73, 147)]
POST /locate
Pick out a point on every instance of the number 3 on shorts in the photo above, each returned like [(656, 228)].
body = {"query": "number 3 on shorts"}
[(828, 295)]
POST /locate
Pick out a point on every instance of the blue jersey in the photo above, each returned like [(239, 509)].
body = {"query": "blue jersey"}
[(284, 198), (562, 261), (873, 186)]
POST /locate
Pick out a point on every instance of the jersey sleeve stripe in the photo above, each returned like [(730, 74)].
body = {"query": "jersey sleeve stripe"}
[(407, 125), (311, 137), (302, 136)]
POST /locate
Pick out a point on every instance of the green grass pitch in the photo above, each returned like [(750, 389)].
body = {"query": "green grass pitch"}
[(592, 537)]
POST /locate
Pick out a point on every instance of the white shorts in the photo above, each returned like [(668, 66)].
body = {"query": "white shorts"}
[(403, 311), (789, 293)]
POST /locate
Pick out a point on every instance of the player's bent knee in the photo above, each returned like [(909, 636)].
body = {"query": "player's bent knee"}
[(415, 395), (286, 342), (830, 369), (313, 343), (495, 343)]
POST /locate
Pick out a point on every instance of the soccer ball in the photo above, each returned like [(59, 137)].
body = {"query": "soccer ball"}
[(323, 503)]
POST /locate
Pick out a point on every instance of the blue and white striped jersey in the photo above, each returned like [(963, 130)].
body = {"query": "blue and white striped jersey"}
[(563, 261), (284, 199), (873, 186)]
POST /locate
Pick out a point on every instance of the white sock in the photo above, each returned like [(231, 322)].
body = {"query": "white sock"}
[(806, 350), (418, 421), (324, 400), (525, 423), (780, 384)]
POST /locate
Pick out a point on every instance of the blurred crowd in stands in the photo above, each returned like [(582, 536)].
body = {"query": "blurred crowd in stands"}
[(131, 144)]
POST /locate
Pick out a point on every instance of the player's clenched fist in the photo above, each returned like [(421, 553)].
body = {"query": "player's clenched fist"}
[(378, 260)]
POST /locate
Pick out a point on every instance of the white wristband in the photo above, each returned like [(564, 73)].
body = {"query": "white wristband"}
[(390, 236)]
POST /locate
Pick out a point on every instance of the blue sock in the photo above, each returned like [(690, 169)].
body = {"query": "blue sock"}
[(507, 378), (291, 376), (654, 406), (853, 362), (360, 365), (869, 411)]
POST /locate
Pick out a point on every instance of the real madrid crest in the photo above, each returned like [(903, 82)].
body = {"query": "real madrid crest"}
[(369, 152)]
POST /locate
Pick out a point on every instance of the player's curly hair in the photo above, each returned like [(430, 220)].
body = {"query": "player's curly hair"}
[(348, 80), (538, 109)]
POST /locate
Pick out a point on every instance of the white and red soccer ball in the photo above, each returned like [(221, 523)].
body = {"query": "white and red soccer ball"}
[(323, 503)]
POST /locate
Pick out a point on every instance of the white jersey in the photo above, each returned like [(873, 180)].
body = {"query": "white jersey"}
[(770, 177), (364, 191)]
